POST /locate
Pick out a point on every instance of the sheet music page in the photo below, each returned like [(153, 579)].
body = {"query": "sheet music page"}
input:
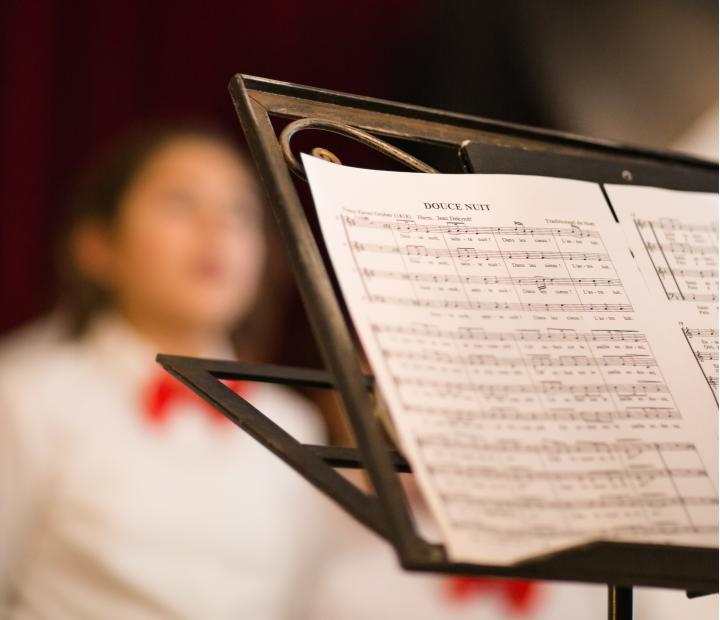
[(538, 402), (674, 238)]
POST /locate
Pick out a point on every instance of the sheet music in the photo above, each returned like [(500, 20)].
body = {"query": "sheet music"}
[(674, 237), (531, 390)]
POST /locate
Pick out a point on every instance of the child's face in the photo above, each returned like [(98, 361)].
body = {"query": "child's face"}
[(188, 245)]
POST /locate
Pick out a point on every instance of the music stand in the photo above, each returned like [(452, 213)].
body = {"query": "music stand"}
[(513, 148)]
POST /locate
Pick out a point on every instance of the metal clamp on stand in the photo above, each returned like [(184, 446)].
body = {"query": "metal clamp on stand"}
[(345, 130)]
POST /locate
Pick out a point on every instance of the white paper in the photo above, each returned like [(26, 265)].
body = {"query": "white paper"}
[(674, 238), (533, 393)]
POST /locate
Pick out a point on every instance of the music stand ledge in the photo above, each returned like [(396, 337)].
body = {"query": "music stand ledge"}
[(386, 512)]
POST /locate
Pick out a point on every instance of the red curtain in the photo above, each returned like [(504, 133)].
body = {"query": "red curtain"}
[(77, 74)]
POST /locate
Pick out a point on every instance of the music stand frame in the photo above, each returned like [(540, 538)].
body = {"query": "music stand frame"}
[(619, 565)]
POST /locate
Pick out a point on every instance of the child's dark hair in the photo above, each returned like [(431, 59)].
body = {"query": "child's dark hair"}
[(97, 199)]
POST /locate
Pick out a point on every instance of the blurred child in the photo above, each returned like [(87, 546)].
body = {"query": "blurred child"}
[(122, 495)]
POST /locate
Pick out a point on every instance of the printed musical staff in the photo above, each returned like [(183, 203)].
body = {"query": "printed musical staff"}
[(704, 343), (624, 448), (465, 417), (489, 305), (684, 257), (549, 387), (674, 225), (537, 503), (635, 533), (542, 360), (701, 333), (681, 248), (505, 473), (460, 228), (688, 273), (478, 333), (469, 252), (538, 281)]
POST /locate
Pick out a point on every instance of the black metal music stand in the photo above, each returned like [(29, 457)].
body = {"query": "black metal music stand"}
[(509, 147)]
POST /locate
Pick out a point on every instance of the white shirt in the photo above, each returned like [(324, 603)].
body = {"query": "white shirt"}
[(32, 339), (103, 515)]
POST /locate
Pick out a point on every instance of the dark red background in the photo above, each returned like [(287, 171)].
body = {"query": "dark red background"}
[(77, 74)]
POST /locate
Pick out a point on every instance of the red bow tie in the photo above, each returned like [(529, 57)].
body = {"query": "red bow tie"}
[(518, 596), (165, 391)]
